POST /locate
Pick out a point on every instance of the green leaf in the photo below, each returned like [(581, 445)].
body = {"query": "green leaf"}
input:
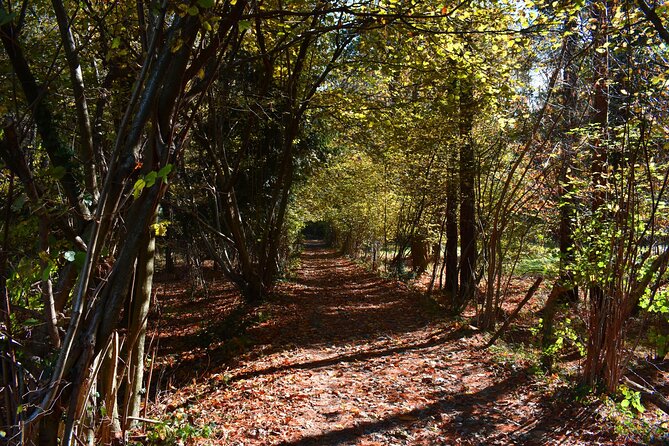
[(57, 172), (80, 259), (150, 178), (19, 202), (162, 173), (244, 25), (6, 18), (116, 42), (46, 272), (206, 4), (137, 189), (625, 403), (31, 322), (193, 10)]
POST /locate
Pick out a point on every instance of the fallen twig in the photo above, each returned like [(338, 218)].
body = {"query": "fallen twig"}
[(512, 316), (654, 396), (144, 420)]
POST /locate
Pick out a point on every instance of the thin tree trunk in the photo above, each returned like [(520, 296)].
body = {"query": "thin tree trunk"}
[(548, 317), (533, 289), (137, 328), (567, 207), (10, 381), (59, 154), (468, 254), (437, 255), (81, 104), (108, 381), (419, 252), (451, 251), (597, 370), (47, 287), (565, 290)]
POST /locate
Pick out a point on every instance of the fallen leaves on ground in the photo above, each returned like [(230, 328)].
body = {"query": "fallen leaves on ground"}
[(343, 357)]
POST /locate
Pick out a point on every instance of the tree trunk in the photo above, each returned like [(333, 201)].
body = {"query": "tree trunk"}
[(49, 427), (108, 382), (566, 289), (420, 256), (451, 250), (81, 104), (548, 313), (139, 312), (601, 364), (468, 252)]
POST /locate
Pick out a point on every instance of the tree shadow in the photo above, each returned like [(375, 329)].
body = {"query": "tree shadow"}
[(458, 415), (650, 373), (332, 302), (317, 250), (354, 357), (193, 330), (565, 416), (337, 301), (312, 244), (178, 317)]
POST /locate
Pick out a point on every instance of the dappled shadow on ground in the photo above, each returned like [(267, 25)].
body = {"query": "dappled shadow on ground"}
[(185, 343), (651, 371), (457, 416), (179, 306), (363, 355), (333, 300), (343, 357)]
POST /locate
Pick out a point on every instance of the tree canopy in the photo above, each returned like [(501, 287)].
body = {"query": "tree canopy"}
[(462, 140)]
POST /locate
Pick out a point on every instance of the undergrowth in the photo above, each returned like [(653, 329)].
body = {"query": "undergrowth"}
[(623, 413), (177, 429)]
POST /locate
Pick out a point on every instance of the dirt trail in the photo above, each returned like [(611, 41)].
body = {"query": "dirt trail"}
[(347, 358)]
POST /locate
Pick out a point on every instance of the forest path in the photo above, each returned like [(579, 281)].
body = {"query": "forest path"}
[(344, 357)]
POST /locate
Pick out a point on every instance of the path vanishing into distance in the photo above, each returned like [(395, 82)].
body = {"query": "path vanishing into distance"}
[(339, 356)]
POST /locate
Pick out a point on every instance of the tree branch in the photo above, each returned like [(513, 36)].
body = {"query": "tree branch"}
[(654, 19)]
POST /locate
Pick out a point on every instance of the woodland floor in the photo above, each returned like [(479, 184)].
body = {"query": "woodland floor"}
[(339, 356)]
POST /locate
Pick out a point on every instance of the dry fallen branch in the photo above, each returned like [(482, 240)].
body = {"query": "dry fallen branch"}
[(533, 289), (652, 395)]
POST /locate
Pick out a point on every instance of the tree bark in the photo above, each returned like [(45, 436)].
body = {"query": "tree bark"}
[(81, 104), (59, 154), (565, 290), (451, 288), (602, 342), (468, 253), (139, 312), (548, 317), (566, 226), (420, 256)]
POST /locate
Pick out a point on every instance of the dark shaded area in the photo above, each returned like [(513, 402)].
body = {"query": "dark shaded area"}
[(194, 328), (318, 230)]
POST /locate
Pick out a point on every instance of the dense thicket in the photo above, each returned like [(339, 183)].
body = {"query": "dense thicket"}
[(458, 140)]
